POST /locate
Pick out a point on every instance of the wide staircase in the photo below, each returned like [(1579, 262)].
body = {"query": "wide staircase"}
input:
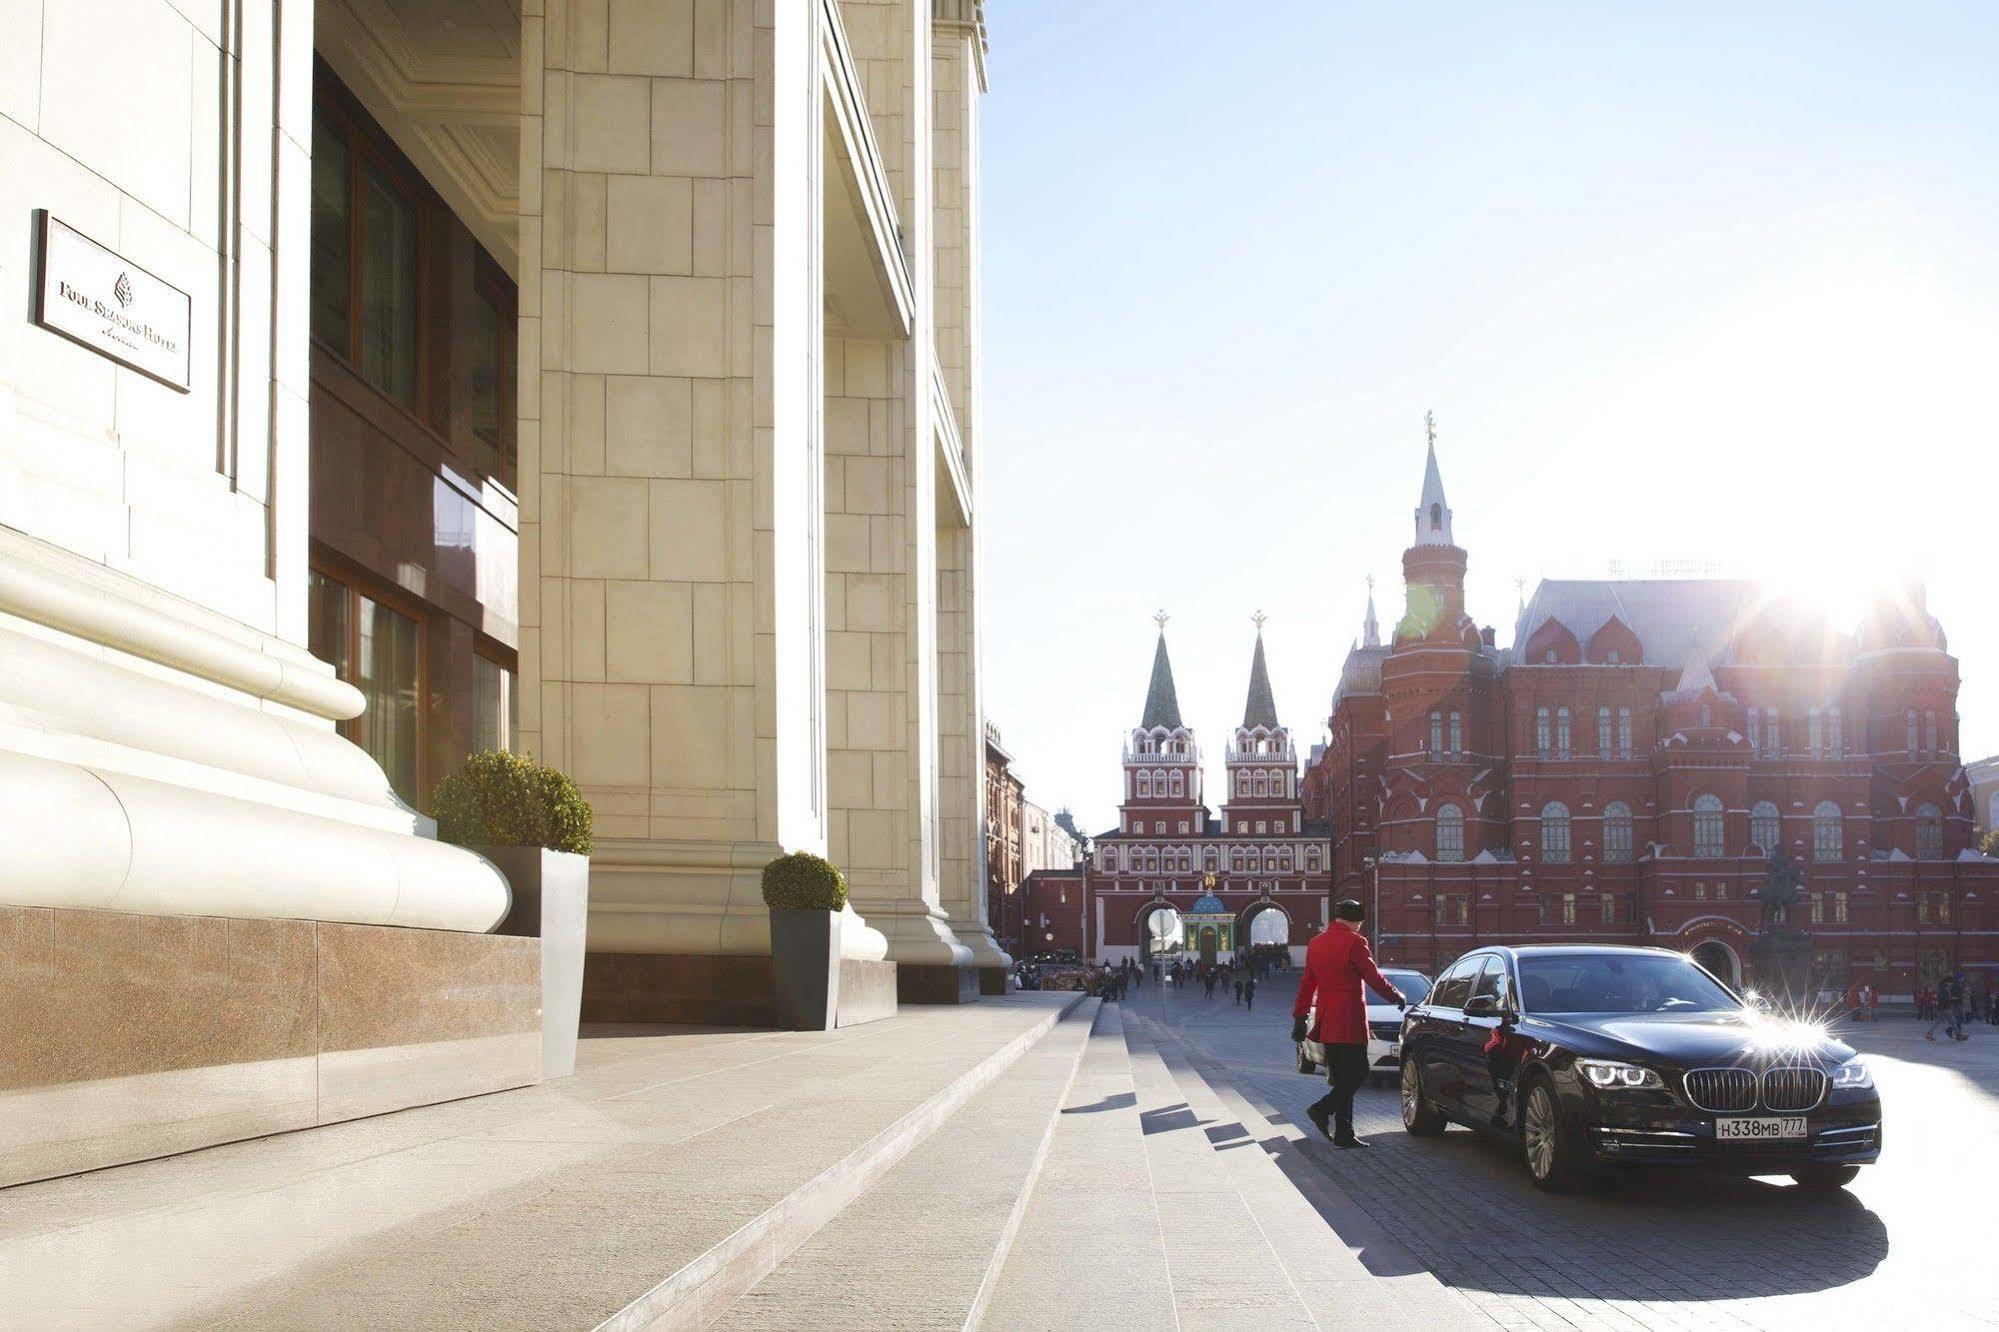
[(1105, 1180), (1036, 1161)]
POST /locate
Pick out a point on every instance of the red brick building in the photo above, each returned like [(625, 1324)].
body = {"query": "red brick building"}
[(1256, 873), (1625, 769)]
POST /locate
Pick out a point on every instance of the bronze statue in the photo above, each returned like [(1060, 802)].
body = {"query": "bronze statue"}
[(1781, 886)]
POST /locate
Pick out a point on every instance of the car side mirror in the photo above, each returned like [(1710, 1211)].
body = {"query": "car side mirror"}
[(1482, 1005)]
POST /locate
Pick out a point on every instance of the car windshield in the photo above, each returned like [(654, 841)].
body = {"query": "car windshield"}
[(1413, 984), (1619, 983)]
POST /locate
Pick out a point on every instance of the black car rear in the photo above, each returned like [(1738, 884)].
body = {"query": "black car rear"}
[(1613, 1056)]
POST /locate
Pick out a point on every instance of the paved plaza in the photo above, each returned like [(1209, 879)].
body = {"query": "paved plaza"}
[(1910, 1244)]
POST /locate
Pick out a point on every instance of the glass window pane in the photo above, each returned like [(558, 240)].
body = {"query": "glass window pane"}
[(493, 705), (327, 623), (332, 209), (387, 677), (488, 368), (388, 289)]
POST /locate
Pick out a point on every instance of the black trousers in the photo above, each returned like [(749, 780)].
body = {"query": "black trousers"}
[(1346, 1069)]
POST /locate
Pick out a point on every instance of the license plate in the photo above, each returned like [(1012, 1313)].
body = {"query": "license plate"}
[(1760, 1129)]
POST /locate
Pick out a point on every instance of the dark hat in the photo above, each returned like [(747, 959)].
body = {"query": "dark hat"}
[(1349, 909)]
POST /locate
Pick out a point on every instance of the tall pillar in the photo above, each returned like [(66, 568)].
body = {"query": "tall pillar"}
[(672, 636)]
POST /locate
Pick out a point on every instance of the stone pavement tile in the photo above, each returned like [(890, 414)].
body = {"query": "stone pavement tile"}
[(1089, 1245), (552, 1206), (914, 1250)]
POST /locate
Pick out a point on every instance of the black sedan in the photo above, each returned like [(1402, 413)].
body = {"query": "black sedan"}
[(1608, 1056)]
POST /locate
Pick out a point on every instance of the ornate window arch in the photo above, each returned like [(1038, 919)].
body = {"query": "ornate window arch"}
[(1710, 823), (1929, 832), (1617, 832), (1766, 823), (1828, 832), (1541, 739), (1144, 787), (1178, 784), (1450, 833), (1555, 844), (1564, 733)]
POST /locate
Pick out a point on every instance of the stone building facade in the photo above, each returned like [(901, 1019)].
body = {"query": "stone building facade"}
[(599, 380), (1626, 769)]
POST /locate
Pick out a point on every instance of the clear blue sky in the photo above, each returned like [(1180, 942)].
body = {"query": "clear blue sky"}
[(1687, 281)]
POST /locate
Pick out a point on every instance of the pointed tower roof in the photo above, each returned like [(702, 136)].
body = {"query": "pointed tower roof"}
[(1260, 709), (1433, 515), (1162, 704), (1370, 628), (1695, 677)]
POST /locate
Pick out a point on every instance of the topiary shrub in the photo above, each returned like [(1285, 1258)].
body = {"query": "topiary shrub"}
[(503, 799), (802, 881)]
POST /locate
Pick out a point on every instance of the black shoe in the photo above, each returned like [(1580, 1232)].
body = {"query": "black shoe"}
[(1348, 1141), (1320, 1121)]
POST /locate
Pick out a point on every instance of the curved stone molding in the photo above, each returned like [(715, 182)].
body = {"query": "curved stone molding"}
[(109, 840), (101, 606)]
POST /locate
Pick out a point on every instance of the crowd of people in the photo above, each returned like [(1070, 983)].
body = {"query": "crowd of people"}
[(1949, 1004), (1114, 981)]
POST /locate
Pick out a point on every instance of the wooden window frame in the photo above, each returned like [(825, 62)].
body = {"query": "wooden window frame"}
[(357, 585), (490, 282), (368, 145)]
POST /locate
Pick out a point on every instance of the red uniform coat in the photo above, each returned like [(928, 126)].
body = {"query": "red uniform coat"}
[(1336, 963)]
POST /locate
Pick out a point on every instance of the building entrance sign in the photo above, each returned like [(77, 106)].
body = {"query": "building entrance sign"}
[(99, 299)]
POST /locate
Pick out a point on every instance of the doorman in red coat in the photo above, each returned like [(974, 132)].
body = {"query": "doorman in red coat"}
[(1337, 964)]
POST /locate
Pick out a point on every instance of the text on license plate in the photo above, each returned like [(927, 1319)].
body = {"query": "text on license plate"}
[(1759, 1129)]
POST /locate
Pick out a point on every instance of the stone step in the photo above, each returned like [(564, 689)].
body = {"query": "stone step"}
[(1345, 1268), (675, 1170), (921, 1247), (1090, 1238)]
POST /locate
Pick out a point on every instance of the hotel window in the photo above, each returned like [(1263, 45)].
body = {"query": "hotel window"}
[(1450, 833), (491, 382), (1929, 832), (1765, 823), (1700, 891), (1558, 908), (1933, 908), (496, 708), (1818, 907), (1720, 891), (1617, 832), (1603, 736), (1453, 909), (1708, 826), (367, 241), (1555, 833), (1608, 905), (1828, 832), (1541, 732), (1838, 908), (1563, 734), (375, 648), (1457, 734), (1624, 732)]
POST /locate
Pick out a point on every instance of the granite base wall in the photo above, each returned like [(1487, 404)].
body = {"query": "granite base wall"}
[(126, 1036), (937, 984)]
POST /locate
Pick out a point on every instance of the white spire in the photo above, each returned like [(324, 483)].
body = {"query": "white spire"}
[(1695, 675), (1370, 630), (1433, 516)]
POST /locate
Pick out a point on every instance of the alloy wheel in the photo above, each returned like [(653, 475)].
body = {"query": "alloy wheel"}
[(1538, 1133), (1412, 1092)]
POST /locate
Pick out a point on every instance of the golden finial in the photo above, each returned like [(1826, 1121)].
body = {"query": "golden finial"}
[(1257, 620), (1160, 617), (1430, 427)]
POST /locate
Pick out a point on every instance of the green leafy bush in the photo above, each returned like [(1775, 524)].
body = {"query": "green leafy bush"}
[(503, 799), (802, 881)]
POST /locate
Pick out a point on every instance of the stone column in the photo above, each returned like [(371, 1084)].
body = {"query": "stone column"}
[(888, 828), (957, 62), (672, 643)]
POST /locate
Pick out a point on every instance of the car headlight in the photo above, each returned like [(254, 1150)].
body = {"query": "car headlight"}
[(1854, 1075), (1605, 1074)]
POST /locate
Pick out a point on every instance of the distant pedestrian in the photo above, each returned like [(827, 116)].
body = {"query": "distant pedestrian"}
[(1249, 994), (1238, 991)]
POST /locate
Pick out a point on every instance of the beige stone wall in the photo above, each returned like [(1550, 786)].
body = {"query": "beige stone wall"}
[(183, 145)]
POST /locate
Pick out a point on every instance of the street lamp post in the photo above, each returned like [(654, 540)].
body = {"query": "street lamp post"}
[(1372, 865)]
